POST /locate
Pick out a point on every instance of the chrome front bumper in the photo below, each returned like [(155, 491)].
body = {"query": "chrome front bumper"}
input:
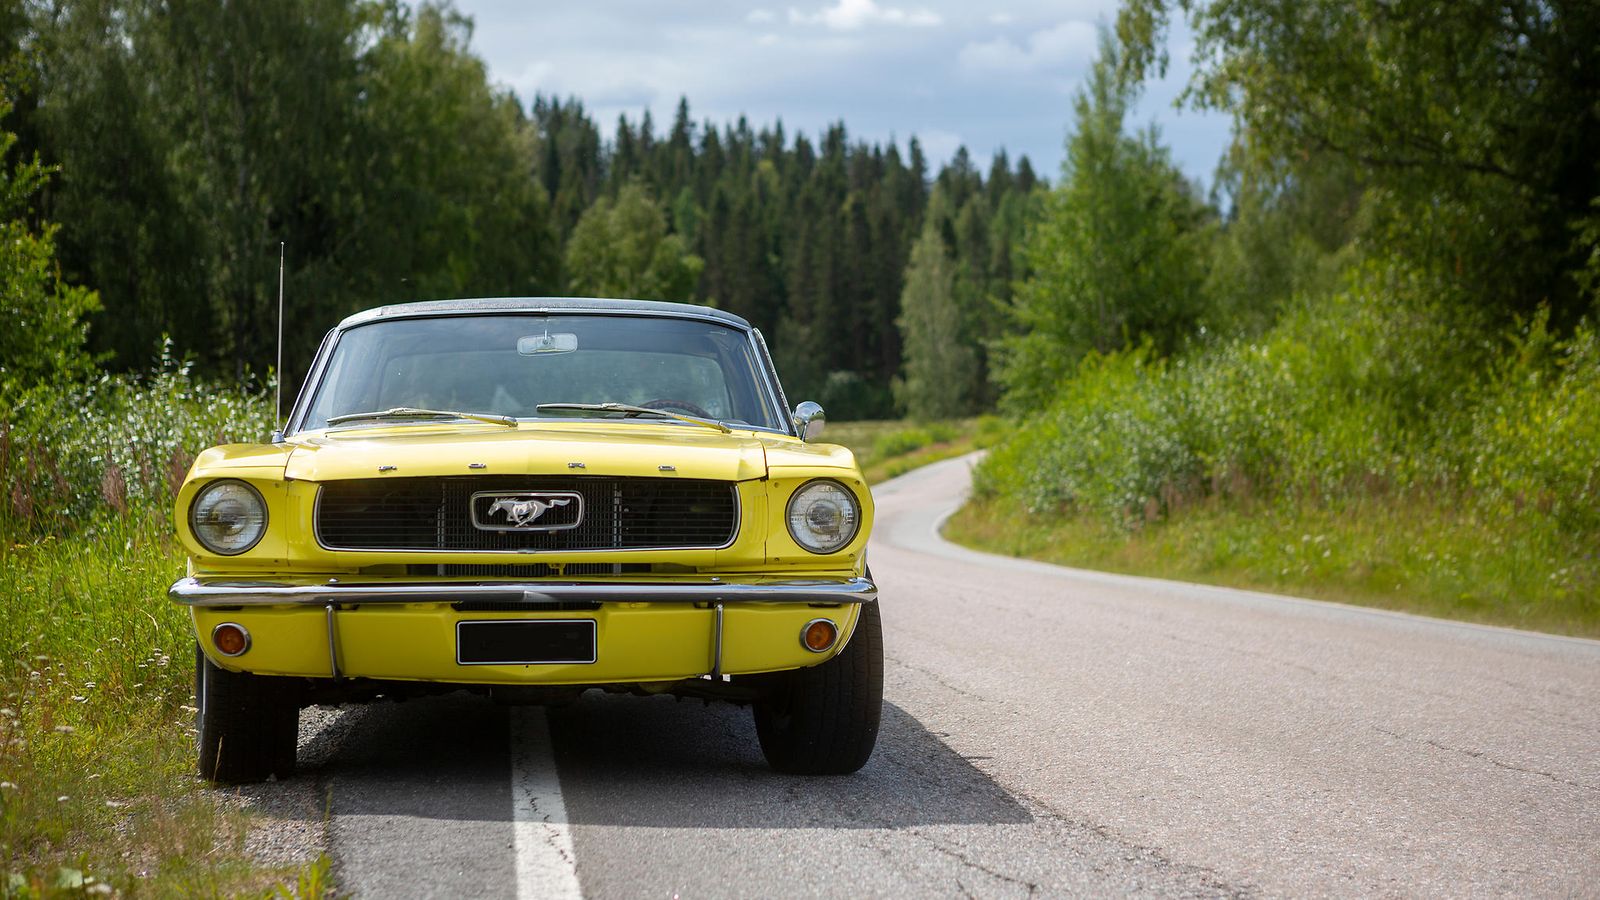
[(221, 591)]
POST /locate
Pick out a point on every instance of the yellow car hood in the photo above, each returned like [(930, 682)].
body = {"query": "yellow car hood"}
[(587, 448)]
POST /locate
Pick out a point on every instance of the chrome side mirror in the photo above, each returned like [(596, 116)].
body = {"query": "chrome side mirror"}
[(808, 420)]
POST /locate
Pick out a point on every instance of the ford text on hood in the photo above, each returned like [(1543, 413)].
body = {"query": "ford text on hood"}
[(534, 498)]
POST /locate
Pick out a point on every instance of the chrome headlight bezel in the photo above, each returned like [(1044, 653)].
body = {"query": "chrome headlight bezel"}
[(249, 495), (799, 519)]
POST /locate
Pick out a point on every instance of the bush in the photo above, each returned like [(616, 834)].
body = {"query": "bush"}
[(1383, 389), (115, 442)]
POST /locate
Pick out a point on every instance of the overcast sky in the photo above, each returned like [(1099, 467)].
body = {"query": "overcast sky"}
[(986, 75)]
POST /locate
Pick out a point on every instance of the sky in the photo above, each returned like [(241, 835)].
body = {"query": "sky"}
[(984, 75)]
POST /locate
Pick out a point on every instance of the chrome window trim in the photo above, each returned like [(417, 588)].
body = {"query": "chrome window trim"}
[(294, 424), (738, 529), (769, 370)]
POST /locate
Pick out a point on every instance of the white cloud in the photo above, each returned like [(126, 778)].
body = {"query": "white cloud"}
[(1053, 48), (1000, 18), (761, 16), (849, 15)]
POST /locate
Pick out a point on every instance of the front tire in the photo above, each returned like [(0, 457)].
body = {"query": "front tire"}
[(248, 723), (823, 720)]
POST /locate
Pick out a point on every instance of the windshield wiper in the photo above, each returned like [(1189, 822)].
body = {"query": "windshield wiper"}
[(411, 412), (628, 410)]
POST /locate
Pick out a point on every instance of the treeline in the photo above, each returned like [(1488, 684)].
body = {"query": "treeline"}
[(188, 139)]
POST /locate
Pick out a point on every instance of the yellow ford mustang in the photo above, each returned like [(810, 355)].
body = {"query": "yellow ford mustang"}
[(530, 498)]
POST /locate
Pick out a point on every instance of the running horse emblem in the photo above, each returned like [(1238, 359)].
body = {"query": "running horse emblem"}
[(521, 511)]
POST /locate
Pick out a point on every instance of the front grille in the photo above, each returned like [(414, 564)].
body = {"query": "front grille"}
[(436, 514)]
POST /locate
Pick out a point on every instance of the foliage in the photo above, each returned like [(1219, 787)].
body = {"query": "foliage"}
[(43, 340), (1475, 121), (1386, 397), (1115, 258), (364, 136), (69, 452), (96, 664), (621, 248), (940, 357)]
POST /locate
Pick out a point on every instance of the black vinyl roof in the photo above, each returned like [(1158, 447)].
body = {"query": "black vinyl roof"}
[(543, 304)]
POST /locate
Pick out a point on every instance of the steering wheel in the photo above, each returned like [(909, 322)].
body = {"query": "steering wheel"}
[(686, 406)]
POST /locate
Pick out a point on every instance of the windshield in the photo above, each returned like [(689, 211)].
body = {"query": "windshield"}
[(509, 365)]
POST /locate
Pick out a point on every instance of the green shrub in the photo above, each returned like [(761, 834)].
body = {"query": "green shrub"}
[(1385, 388), (905, 440), (1534, 440), (114, 443)]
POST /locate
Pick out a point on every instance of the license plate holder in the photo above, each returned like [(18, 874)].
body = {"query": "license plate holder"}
[(525, 642)]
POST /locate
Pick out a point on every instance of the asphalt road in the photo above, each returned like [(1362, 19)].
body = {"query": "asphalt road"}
[(1045, 731)]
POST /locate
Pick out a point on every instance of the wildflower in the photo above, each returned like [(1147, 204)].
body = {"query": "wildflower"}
[(63, 798), (65, 729), (7, 786), (8, 712)]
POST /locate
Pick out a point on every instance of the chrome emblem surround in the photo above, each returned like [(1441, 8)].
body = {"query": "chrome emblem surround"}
[(523, 509)]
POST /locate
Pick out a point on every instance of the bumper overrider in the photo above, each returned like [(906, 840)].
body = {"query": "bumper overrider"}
[(644, 632)]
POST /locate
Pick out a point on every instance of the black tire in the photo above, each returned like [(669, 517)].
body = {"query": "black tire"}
[(823, 720), (248, 723)]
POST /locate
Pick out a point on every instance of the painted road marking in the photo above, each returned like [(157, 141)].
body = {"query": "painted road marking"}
[(547, 868)]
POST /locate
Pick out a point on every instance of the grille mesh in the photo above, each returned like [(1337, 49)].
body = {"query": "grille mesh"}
[(434, 514)]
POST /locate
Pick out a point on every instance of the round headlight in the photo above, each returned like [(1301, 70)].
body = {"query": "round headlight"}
[(228, 517), (823, 516)]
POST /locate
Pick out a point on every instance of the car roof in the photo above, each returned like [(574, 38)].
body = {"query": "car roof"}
[(484, 305)]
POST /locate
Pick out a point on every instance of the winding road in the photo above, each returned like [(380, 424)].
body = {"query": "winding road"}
[(1046, 731)]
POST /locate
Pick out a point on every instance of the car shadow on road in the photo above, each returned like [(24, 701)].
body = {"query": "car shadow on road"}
[(667, 764), (635, 761)]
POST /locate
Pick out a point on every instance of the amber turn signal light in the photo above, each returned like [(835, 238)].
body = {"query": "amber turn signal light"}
[(230, 639), (819, 635)]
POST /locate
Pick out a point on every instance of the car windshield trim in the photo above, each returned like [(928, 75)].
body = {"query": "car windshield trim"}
[(628, 411), (769, 388)]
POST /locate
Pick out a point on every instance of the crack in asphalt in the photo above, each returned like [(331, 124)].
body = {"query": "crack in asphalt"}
[(1484, 755)]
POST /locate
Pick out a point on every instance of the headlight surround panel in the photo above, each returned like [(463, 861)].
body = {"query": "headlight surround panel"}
[(228, 517), (823, 516)]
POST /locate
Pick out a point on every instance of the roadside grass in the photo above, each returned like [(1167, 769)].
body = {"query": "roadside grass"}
[(887, 448), (97, 786), (1407, 554), (98, 791)]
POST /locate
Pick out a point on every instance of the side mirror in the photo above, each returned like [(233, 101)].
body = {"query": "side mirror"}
[(808, 420)]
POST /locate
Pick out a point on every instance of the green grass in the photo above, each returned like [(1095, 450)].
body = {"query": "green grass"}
[(96, 727), (887, 448), (1404, 554)]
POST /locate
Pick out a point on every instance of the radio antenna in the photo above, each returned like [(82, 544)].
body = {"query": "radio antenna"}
[(277, 381)]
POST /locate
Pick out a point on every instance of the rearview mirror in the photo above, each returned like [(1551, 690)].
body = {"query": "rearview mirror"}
[(808, 420), (535, 344)]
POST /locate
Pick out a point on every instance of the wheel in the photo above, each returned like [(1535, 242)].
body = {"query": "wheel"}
[(248, 723), (823, 720)]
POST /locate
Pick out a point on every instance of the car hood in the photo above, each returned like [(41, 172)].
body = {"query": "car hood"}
[(625, 449)]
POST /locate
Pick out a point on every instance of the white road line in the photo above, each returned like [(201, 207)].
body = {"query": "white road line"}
[(547, 868)]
